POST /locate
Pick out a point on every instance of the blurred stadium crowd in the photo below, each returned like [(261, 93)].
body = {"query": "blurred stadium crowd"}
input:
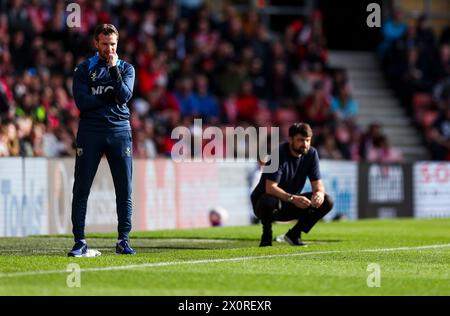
[(224, 67), (417, 62)]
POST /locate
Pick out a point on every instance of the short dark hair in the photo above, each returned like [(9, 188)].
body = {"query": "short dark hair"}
[(105, 29), (300, 128)]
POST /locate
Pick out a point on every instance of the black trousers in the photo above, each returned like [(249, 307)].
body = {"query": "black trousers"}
[(269, 209)]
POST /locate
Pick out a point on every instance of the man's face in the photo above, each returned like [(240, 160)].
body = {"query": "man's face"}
[(300, 144), (106, 44)]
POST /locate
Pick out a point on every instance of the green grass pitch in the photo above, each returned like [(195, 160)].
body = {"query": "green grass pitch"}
[(413, 256)]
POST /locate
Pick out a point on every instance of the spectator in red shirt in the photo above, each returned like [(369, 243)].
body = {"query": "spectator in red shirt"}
[(316, 108), (164, 103), (146, 71), (247, 102)]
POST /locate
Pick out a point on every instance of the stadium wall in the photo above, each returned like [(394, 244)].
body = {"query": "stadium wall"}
[(36, 193), (432, 189), (341, 182)]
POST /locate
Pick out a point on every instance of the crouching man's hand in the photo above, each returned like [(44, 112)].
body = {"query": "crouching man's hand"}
[(301, 201), (317, 199)]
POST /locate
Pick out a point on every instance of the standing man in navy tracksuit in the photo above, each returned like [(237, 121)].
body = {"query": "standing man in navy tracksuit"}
[(102, 86)]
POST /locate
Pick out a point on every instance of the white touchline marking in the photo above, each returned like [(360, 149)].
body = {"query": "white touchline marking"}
[(163, 264)]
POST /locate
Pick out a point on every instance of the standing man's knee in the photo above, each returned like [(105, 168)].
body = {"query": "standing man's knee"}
[(80, 192), (123, 194)]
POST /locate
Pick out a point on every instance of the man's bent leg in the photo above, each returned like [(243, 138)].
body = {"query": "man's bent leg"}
[(265, 209), (89, 152), (310, 216), (307, 218), (119, 154)]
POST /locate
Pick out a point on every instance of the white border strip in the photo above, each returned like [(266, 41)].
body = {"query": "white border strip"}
[(206, 261)]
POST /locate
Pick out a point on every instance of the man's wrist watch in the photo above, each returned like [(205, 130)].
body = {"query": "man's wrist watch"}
[(291, 198)]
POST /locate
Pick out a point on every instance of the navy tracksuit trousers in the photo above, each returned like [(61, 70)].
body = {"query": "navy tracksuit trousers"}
[(117, 146)]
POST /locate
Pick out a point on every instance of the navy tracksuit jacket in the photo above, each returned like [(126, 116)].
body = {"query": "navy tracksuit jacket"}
[(101, 94)]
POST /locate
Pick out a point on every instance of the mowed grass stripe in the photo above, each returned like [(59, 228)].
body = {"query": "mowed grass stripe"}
[(208, 261)]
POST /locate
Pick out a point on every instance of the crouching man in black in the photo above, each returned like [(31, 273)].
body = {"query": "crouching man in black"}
[(277, 196)]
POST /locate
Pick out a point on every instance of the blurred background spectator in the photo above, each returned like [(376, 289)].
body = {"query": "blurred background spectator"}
[(196, 61), (416, 61)]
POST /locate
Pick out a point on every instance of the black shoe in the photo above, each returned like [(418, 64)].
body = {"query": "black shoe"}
[(294, 239), (266, 238), (265, 243)]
